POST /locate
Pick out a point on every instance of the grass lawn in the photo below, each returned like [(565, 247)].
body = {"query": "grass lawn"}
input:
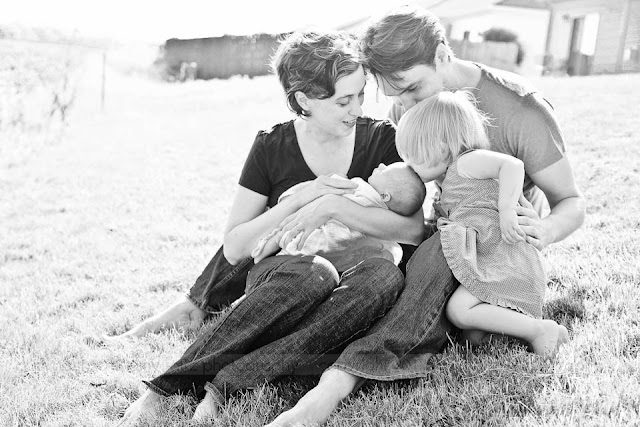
[(106, 225)]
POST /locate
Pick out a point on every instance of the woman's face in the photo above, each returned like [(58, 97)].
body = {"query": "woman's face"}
[(337, 115)]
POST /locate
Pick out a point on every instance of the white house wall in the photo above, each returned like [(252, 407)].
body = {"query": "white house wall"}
[(609, 30)]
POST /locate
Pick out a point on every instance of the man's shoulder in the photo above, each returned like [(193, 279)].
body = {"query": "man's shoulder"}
[(494, 81)]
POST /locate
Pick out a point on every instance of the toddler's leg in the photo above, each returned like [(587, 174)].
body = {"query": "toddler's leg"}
[(467, 312)]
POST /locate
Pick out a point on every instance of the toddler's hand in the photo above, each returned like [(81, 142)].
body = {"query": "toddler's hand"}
[(509, 227)]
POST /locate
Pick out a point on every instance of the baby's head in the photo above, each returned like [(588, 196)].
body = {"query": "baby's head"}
[(400, 187), (438, 129)]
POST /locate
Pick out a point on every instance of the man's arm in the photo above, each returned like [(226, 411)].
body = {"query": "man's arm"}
[(565, 199)]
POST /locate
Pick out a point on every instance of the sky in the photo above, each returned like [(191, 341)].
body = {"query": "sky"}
[(157, 20)]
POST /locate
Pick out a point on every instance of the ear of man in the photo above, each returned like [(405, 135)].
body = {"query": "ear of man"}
[(443, 55)]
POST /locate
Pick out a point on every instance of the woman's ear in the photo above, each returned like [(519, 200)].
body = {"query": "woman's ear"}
[(302, 100), (385, 197)]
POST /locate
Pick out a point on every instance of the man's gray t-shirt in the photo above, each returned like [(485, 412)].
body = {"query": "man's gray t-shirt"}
[(523, 123)]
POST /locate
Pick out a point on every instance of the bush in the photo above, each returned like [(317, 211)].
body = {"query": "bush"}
[(37, 90), (504, 35)]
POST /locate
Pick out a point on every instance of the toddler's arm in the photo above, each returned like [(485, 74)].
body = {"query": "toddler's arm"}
[(509, 171)]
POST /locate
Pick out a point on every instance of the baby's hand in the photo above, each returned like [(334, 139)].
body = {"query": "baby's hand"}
[(509, 227)]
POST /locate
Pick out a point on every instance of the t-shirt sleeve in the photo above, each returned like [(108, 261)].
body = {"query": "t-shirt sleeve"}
[(535, 136), (394, 113), (255, 173), (385, 138)]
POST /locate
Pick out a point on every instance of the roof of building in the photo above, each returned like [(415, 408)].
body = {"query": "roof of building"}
[(528, 4)]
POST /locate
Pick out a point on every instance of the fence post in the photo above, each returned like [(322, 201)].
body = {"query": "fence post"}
[(104, 79)]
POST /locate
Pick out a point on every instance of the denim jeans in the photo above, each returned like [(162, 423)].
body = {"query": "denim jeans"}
[(222, 283), (400, 345), (297, 309)]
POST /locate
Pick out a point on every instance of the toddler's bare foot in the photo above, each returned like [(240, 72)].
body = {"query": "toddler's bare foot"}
[(145, 406), (182, 314), (207, 409), (549, 339), (474, 337)]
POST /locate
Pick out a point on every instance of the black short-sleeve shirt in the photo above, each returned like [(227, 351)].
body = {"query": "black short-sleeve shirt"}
[(275, 162)]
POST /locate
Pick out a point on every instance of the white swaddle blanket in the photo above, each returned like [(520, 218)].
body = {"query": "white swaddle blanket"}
[(336, 242)]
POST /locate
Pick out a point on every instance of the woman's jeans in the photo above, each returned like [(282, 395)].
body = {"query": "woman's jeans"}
[(297, 309), (220, 283)]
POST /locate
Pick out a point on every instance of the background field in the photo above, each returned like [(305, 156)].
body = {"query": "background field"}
[(111, 215)]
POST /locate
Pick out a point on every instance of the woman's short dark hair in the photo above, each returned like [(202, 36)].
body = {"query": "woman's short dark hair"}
[(311, 62), (402, 38)]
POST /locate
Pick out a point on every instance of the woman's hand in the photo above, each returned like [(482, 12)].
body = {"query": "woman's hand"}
[(511, 231), (299, 225), (321, 186), (532, 225)]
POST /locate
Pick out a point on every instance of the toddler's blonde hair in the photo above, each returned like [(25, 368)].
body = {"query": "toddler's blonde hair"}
[(440, 128)]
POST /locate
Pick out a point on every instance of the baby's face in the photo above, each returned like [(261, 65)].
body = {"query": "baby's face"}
[(383, 176)]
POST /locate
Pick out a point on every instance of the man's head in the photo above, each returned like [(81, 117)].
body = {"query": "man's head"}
[(400, 187), (407, 52)]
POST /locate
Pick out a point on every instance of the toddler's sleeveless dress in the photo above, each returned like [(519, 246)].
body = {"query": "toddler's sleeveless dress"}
[(494, 271)]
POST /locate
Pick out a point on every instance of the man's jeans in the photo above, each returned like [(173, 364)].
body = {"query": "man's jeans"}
[(297, 309), (401, 344)]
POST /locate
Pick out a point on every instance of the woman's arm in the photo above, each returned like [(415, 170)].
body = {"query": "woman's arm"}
[(372, 221), (509, 171), (249, 220)]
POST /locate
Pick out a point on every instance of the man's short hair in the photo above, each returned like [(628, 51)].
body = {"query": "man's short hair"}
[(402, 38)]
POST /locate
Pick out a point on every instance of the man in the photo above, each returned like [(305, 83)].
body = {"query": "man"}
[(408, 54)]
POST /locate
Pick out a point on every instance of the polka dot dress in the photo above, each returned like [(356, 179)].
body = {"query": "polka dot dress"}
[(494, 271)]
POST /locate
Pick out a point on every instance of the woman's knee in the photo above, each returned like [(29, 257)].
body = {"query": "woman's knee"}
[(376, 276), (309, 274)]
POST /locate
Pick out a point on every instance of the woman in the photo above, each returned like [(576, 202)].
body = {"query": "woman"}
[(297, 308)]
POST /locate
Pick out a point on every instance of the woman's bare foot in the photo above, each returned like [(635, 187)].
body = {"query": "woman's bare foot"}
[(549, 339), (145, 406), (207, 409), (318, 404), (183, 313)]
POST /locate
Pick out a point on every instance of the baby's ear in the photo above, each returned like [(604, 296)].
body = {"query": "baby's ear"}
[(385, 197)]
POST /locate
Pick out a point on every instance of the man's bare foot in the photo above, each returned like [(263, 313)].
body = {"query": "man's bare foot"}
[(318, 404), (145, 406), (182, 314), (549, 339), (207, 409)]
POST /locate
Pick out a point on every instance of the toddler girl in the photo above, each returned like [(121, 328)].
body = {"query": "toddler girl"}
[(502, 277)]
